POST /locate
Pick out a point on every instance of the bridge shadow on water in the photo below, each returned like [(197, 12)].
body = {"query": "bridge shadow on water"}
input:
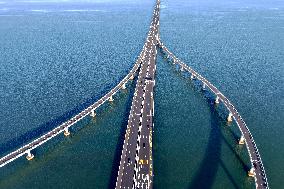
[(206, 173), (18, 141), (119, 145)]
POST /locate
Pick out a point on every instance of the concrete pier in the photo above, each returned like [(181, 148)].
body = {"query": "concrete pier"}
[(230, 117), (217, 100), (242, 140), (110, 99), (192, 77), (66, 132), (131, 77), (29, 156), (93, 113), (123, 86), (251, 172), (203, 86)]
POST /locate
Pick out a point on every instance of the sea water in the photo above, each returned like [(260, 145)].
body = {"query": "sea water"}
[(59, 57)]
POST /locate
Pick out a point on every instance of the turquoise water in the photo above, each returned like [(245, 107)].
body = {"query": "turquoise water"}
[(57, 58)]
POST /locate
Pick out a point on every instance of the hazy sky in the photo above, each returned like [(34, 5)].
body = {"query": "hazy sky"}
[(193, 1), (262, 3), (35, 2), (59, 1)]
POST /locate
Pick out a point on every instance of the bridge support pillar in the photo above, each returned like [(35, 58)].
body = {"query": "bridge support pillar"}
[(242, 140), (230, 117), (123, 86), (66, 132), (217, 100), (192, 77), (251, 172), (203, 86), (29, 156), (110, 99), (93, 113), (131, 77), (181, 69)]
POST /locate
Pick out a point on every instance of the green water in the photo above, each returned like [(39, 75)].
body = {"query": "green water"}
[(57, 60)]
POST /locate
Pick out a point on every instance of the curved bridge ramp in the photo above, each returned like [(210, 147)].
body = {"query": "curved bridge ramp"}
[(257, 169), (63, 128)]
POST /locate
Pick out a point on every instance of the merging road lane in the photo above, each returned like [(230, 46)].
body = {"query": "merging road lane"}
[(136, 167), (136, 163)]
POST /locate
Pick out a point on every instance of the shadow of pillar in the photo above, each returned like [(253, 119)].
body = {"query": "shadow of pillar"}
[(229, 175)]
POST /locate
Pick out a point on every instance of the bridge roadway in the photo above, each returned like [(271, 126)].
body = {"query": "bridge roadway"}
[(26, 149), (136, 166), (257, 168), (136, 169)]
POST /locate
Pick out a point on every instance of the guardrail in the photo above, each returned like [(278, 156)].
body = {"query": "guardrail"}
[(26, 149), (257, 169)]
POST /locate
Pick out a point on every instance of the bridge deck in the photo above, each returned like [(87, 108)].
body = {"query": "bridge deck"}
[(135, 170), (257, 165)]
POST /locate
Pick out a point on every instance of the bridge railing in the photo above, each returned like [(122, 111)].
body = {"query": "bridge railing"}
[(153, 28), (257, 169), (26, 149)]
